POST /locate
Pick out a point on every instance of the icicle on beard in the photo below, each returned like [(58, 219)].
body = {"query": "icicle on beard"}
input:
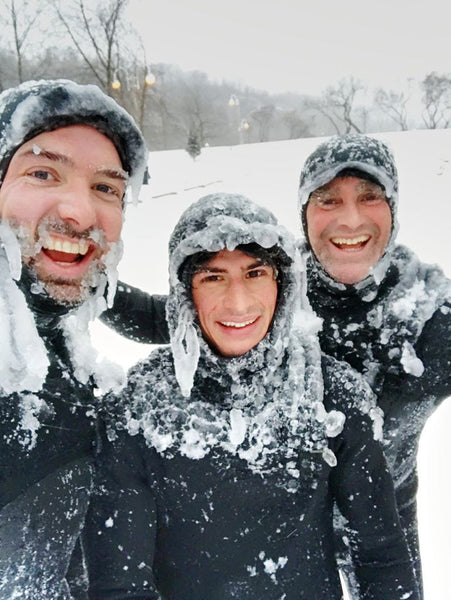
[(63, 291)]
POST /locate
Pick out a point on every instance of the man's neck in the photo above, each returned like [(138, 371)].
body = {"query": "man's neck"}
[(46, 310)]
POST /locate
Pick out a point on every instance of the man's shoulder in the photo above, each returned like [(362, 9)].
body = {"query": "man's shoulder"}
[(159, 362), (348, 391), (338, 374), (149, 382), (411, 268), (421, 289)]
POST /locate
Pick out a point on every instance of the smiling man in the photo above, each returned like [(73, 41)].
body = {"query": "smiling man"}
[(68, 153), (384, 312)]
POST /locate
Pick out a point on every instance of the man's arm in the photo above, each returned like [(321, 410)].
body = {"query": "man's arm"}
[(120, 530), (138, 316), (433, 348), (364, 494)]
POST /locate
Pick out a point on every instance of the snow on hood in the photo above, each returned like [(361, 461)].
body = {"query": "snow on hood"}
[(37, 106), (285, 367), (216, 222), (420, 291)]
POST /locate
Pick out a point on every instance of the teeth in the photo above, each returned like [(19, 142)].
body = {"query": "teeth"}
[(69, 247), (237, 325), (83, 246), (351, 241)]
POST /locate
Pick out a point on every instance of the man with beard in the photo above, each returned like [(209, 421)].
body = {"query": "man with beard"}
[(68, 156)]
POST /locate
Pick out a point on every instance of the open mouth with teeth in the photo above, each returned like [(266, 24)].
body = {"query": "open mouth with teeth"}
[(355, 243), (66, 251), (238, 325)]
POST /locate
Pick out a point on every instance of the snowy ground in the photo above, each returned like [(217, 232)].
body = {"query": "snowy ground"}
[(268, 173)]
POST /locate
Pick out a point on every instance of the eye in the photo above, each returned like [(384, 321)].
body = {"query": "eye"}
[(109, 190), (205, 278), (325, 201), (372, 198), (329, 201), (211, 278), (257, 273), (42, 174)]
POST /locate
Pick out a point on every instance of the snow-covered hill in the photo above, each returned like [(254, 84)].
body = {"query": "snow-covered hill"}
[(268, 173)]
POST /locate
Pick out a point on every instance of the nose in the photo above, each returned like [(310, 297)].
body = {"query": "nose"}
[(76, 206), (351, 215), (237, 299)]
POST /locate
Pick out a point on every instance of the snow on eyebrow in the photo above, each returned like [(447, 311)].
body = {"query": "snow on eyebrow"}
[(114, 173), (364, 185), (50, 155)]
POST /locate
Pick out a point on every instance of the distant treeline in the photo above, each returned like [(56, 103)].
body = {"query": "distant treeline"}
[(177, 109)]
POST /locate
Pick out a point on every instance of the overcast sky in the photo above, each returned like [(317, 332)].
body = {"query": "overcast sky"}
[(294, 45)]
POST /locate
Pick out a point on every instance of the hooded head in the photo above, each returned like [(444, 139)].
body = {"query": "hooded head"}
[(265, 402), (35, 107), (230, 222), (352, 156)]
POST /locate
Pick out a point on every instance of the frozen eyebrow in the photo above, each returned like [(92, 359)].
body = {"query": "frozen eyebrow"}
[(49, 155), (325, 191), (258, 263), (207, 269), (370, 186), (114, 173)]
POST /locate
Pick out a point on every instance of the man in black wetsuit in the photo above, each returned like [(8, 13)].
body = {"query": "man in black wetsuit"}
[(68, 153), (384, 311)]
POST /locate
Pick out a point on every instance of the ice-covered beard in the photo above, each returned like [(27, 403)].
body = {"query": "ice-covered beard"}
[(65, 291)]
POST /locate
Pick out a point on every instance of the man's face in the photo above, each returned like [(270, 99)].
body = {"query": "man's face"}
[(349, 225), (62, 194), (235, 297)]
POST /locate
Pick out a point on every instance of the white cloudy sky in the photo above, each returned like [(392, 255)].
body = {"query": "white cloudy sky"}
[(294, 45)]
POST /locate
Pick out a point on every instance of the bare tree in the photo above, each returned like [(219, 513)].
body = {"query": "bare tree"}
[(96, 32), (21, 16), (341, 99), (437, 100), (133, 83), (393, 104), (199, 110), (320, 105), (337, 104), (159, 118), (297, 127)]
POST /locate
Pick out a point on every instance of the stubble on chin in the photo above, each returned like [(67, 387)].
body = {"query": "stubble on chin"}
[(64, 291), (70, 292)]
